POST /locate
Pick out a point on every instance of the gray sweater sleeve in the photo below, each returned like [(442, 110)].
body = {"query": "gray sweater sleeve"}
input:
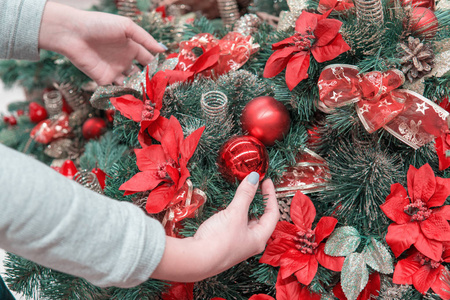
[(59, 224), (20, 21)]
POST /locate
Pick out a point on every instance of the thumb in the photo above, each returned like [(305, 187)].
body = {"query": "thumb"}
[(245, 193)]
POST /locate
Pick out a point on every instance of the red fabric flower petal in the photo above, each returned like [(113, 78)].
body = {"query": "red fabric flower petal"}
[(440, 286), (172, 138), (147, 123), (429, 248), (324, 228), (395, 203), (441, 194), (443, 211), (207, 60), (297, 69), (405, 269), (157, 128), (303, 211), (424, 278), (142, 181), (330, 51), (401, 237), (278, 61), (292, 261), (306, 274), (306, 23), (174, 175), (275, 250), (338, 292), (150, 158), (159, 198), (129, 106), (330, 262), (156, 88), (288, 289), (436, 228), (189, 145), (442, 147), (306, 294), (284, 43), (258, 297), (423, 183), (326, 31), (285, 230)]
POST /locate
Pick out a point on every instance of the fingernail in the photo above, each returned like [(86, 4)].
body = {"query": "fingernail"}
[(163, 46), (253, 178)]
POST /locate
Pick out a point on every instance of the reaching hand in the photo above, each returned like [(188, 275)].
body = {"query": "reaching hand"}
[(101, 45), (222, 241)]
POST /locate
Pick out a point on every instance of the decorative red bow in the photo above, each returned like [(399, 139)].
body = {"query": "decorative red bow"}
[(185, 204), (217, 57), (408, 116)]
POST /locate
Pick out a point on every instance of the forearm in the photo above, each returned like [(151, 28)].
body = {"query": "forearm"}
[(58, 223), (19, 28)]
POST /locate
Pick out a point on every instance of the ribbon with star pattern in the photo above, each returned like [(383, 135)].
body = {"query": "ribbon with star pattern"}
[(408, 116)]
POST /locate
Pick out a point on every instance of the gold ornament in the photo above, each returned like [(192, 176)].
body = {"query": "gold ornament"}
[(288, 18), (369, 12), (76, 99), (247, 24), (417, 59)]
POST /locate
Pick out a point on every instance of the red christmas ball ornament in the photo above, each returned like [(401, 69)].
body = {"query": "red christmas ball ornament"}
[(12, 121), (37, 112), (6, 119), (109, 114), (266, 119), (424, 23), (242, 155), (93, 128), (20, 112), (68, 169), (431, 4)]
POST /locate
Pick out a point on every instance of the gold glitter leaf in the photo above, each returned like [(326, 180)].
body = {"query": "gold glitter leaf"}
[(377, 257), (354, 275), (343, 241)]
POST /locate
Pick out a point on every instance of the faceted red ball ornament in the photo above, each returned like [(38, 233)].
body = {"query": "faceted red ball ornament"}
[(37, 112), (266, 119), (93, 128), (242, 155), (424, 22)]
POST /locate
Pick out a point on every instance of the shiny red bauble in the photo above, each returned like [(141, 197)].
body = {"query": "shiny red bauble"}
[(266, 119), (37, 112), (93, 128), (241, 155), (68, 169), (424, 23), (431, 4)]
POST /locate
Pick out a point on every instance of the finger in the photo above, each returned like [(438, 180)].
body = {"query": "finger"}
[(131, 70), (119, 80), (143, 56), (142, 37), (245, 194), (271, 215)]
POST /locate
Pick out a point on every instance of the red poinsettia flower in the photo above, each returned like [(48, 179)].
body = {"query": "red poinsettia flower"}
[(370, 291), (178, 291), (163, 167), (442, 145), (337, 5), (145, 111), (425, 273), (297, 248), (313, 34), (419, 219)]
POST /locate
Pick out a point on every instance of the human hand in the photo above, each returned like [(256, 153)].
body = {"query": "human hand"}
[(101, 45), (224, 240)]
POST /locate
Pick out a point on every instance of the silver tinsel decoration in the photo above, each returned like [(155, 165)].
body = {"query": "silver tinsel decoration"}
[(247, 24), (53, 102), (229, 12), (88, 180), (77, 101), (129, 9), (214, 105), (369, 12)]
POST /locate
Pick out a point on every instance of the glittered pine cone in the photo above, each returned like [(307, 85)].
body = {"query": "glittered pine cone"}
[(417, 58)]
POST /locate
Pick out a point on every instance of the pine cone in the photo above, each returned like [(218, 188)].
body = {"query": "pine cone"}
[(417, 59), (284, 205)]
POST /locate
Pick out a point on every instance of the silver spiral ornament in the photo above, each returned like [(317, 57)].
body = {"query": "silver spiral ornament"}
[(53, 102), (88, 180)]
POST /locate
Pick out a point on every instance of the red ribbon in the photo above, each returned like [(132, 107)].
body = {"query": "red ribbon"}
[(185, 204), (408, 116)]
